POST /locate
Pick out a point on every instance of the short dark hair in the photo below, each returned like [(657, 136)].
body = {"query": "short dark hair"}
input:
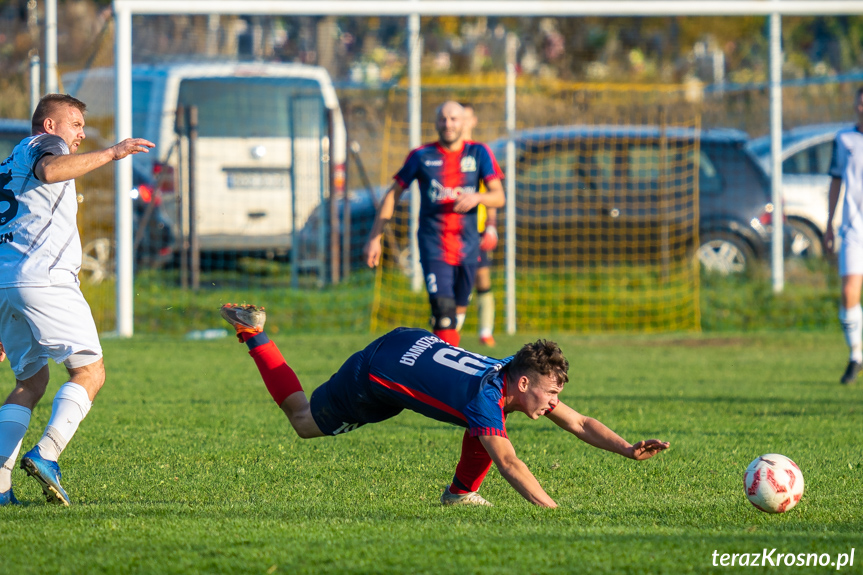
[(541, 357), (466, 105), (48, 104)]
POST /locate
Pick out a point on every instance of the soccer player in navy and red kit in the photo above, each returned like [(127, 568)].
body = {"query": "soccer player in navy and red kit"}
[(413, 369), (449, 173)]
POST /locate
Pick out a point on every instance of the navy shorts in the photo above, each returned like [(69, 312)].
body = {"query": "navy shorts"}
[(445, 280), (484, 259), (346, 402)]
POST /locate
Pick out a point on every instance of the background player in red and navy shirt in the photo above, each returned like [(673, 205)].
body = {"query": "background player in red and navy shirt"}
[(412, 369), (449, 173)]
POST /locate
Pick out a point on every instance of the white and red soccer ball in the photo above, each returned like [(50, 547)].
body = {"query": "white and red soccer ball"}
[(773, 483)]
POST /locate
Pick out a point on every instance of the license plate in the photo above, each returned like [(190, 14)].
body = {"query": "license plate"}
[(255, 179)]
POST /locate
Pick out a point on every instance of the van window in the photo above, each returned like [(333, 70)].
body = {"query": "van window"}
[(262, 103), (141, 97)]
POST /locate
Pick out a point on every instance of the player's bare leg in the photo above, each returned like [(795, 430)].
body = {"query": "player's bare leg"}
[(281, 381), (485, 306), (851, 318), (299, 413)]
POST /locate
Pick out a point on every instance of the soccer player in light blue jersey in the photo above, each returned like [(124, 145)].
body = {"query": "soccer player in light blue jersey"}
[(42, 311), (413, 369), (847, 166)]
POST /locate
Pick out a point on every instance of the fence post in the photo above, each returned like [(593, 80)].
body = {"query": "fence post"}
[(511, 47), (777, 261), (194, 247), (335, 258), (346, 206)]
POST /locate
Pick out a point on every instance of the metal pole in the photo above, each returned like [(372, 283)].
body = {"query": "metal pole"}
[(295, 249), (511, 47), (194, 245), (123, 172), (335, 246), (414, 119), (777, 260), (180, 128), (346, 204), (51, 46), (35, 88)]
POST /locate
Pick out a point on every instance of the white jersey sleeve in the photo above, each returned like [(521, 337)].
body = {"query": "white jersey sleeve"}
[(39, 241)]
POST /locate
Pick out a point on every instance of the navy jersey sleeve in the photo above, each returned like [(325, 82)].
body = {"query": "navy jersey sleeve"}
[(485, 412), (409, 171), (488, 167)]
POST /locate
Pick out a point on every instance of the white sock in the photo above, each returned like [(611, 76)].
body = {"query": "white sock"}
[(459, 321), (71, 405), (14, 421), (485, 311), (852, 326)]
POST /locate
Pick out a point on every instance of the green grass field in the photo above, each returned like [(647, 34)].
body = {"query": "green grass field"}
[(185, 465)]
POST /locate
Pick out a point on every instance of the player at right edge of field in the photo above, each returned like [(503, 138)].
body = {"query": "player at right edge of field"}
[(413, 369), (847, 166)]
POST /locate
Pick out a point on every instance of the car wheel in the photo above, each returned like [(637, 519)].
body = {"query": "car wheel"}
[(97, 262), (805, 241), (724, 253)]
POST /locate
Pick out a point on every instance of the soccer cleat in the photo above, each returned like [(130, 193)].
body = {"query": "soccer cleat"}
[(851, 373), (472, 498), (8, 498), (487, 340), (245, 318), (47, 473)]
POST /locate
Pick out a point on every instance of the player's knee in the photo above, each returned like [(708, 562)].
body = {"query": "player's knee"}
[(443, 313)]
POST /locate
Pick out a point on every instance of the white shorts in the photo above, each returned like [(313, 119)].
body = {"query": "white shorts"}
[(850, 256), (41, 322)]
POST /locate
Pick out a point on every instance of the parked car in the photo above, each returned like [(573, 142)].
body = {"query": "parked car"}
[(363, 206), (614, 175), (154, 243), (806, 155)]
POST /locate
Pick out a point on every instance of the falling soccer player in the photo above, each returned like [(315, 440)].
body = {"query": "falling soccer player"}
[(413, 369)]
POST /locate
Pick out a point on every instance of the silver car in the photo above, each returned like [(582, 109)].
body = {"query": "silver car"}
[(806, 155)]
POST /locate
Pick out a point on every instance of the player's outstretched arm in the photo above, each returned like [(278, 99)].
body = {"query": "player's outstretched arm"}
[(52, 169), (373, 249), (832, 201), (595, 433), (514, 470)]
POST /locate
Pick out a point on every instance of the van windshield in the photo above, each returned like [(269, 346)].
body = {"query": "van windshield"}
[(245, 107)]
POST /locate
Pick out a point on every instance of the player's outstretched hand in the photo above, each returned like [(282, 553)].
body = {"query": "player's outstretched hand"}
[(2, 352), (372, 251), (647, 448), (131, 146)]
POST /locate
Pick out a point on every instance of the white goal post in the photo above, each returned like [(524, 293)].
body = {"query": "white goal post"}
[(412, 9)]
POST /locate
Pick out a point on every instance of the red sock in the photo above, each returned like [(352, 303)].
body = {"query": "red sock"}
[(450, 336), (472, 467), (280, 379)]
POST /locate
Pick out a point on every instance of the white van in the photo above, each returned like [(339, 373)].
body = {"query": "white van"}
[(262, 134)]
